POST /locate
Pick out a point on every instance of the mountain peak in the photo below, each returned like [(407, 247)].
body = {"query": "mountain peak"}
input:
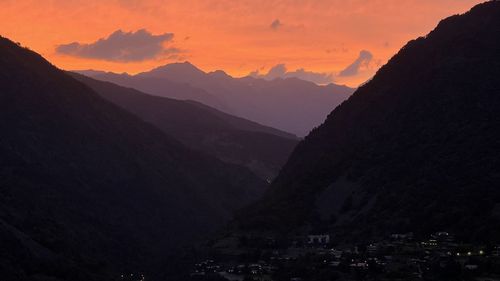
[(175, 69), (219, 74)]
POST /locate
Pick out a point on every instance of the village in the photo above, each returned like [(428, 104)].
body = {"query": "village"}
[(397, 257)]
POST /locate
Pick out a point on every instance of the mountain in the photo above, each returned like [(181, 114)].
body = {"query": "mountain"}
[(416, 149), (291, 105), (262, 149), (88, 191), (159, 87)]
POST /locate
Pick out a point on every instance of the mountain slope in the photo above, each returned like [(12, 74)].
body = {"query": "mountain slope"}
[(291, 105), (417, 148), (88, 190), (262, 149)]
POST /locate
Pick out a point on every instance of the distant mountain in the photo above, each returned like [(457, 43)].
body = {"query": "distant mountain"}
[(416, 149), (88, 190), (159, 87), (291, 105), (262, 149)]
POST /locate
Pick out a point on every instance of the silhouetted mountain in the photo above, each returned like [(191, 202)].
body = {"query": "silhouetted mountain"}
[(88, 190), (179, 72), (262, 149), (417, 148), (291, 105), (159, 87)]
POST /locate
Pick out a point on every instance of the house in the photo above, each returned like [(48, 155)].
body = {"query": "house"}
[(334, 263), (471, 266), (496, 251), (336, 253), (372, 249), (318, 239), (402, 236)]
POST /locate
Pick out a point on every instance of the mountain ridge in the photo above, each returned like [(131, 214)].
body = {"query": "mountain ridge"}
[(89, 191), (232, 139), (412, 150), (290, 104)]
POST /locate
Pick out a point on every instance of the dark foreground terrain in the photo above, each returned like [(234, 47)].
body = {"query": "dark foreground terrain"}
[(88, 190), (416, 149), (412, 153)]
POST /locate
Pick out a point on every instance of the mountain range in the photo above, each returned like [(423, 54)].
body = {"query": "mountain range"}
[(235, 140), (106, 174), (416, 149), (88, 190), (291, 104)]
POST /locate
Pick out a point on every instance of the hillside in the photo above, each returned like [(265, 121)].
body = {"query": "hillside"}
[(89, 191), (416, 149), (291, 105), (262, 149)]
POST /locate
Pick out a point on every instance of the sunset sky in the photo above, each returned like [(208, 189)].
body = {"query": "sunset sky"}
[(331, 40)]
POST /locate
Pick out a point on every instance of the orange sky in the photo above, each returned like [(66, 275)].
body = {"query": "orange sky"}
[(233, 35)]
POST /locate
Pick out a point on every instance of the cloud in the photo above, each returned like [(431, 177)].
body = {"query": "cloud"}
[(122, 47), (277, 71), (280, 71), (364, 58), (276, 24)]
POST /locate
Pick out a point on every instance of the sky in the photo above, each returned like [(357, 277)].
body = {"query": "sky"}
[(341, 41)]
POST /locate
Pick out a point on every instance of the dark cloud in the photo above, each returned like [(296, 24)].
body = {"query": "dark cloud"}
[(363, 59), (122, 47), (276, 24), (280, 71)]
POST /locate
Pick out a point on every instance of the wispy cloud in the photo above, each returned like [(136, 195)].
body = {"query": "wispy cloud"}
[(122, 47), (364, 58), (280, 71), (363, 62)]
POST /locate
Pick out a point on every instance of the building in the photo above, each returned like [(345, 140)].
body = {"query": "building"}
[(318, 239)]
